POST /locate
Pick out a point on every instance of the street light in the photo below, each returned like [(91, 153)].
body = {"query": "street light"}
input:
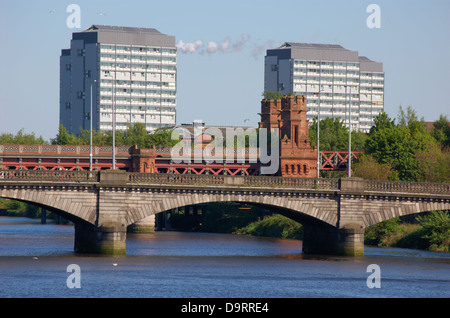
[(113, 126), (113, 123), (318, 120), (349, 160), (90, 139)]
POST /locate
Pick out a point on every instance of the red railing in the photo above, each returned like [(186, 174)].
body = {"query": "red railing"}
[(71, 158)]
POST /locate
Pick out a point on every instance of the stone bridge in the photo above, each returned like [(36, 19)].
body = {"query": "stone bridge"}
[(333, 212)]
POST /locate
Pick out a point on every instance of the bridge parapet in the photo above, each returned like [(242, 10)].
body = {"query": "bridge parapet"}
[(244, 181), (49, 175), (408, 187), (346, 185)]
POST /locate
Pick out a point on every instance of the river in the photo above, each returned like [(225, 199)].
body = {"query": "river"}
[(34, 260)]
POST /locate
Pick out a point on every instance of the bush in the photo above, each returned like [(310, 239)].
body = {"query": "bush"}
[(224, 217), (276, 226), (380, 234), (413, 238), (436, 229)]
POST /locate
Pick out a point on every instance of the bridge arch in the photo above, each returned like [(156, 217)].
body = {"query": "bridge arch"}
[(81, 208), (304, 208), (389, 208)]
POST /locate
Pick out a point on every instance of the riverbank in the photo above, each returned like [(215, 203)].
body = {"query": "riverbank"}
[(429, 232)]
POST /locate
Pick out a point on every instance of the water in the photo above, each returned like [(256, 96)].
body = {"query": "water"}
[(34, 260)]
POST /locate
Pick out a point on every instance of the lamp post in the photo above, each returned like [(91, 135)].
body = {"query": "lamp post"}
[(113, 124), (318, 139), (90, 138), (349, 160)]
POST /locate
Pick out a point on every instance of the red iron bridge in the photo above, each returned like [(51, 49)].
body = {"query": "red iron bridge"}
[(77, 158)]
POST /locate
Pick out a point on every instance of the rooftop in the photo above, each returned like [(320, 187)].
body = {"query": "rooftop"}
[(312, 46), (97, 33), (110, 28)]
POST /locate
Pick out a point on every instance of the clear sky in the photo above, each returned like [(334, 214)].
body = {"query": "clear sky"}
[(221, 81)]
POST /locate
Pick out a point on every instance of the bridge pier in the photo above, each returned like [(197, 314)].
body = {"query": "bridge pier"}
[(351, 240), (107, 240), (328, 240), (146, 225)]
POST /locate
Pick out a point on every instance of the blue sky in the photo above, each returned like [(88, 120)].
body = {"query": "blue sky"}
[(225, 87)]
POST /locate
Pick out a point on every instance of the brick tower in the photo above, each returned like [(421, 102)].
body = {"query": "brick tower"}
[(297, 158)]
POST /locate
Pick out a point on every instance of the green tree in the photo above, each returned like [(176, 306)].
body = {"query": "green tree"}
[(368, 168), (396, 145), (136, 134), (333, 134), (441, 131), (358, 140), (382, 121), (379, 234), (21, 138), (437, 230), (64, 138), (162, 138), (433, 163), (407, 118)]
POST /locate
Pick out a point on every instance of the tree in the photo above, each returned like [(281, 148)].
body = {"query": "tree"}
[(396, 145), (64, 138), (433, 163), (333, 134), (408, 118), (162, 138), (358, 140), (441, 131), (437, 229), (382, 121), (136, 134), (368, 168), (21, 139)]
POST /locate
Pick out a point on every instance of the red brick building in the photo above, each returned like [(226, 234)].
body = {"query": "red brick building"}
[(297, 157)]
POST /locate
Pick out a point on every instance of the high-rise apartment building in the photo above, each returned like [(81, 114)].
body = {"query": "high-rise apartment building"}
[(131, 73), (332, 78)]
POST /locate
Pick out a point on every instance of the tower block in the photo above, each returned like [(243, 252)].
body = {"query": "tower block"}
[(288, 114)]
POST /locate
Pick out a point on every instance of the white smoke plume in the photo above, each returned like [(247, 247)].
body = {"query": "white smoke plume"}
[(259, 49), (214, 47), (226, 46), (240, 44), (189, 47)]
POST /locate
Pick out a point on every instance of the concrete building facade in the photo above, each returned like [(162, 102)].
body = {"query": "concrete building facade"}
[(131, 73), (331, 77)]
